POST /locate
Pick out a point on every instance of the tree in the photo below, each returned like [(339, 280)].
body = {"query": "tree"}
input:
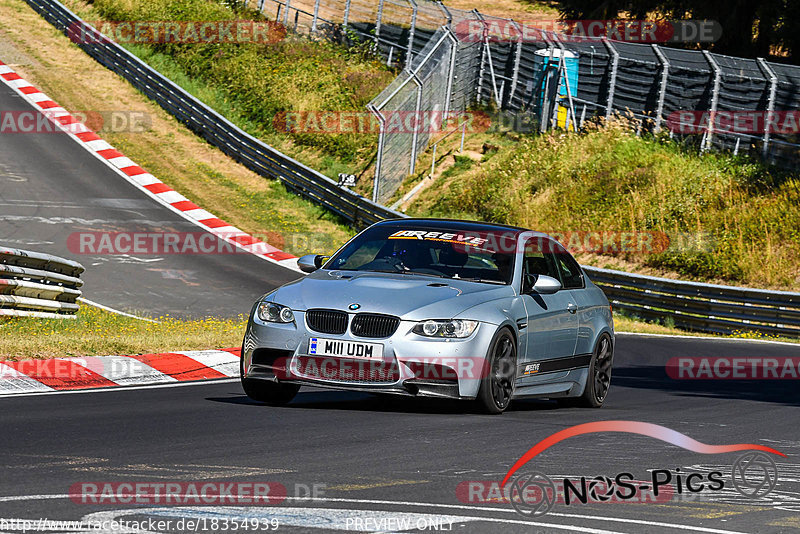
[(750, 28)]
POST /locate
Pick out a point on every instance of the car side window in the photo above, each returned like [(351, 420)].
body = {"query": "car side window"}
[(537, 259), (571, 273)]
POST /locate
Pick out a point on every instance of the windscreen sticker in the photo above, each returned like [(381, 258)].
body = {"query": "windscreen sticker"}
[(447, 237)]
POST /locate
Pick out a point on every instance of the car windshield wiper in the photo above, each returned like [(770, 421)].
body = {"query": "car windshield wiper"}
[(403, 272), (482, 280)]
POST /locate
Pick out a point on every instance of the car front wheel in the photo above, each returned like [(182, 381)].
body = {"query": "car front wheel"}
[(272, 393), (499, 374)]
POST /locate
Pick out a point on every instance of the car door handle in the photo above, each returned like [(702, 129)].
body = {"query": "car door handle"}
[(572, 308)]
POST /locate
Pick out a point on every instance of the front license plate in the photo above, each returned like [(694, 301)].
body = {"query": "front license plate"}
[(345, 349)]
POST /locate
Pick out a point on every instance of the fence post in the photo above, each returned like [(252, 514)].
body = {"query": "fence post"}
[(378, 22), (517, 58), (286, 14), (410, 53), (483, 55), (662, 91), (612, 83), (261, 5), (415, 135), (773, 89), (446, 12), (714, 101), (346, 13), (451, 69), (316, 17), (379, 158), (544, 112)]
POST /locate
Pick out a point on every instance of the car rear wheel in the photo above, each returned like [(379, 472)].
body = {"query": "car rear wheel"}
[(497, 384), (272, 393), (599, 380)]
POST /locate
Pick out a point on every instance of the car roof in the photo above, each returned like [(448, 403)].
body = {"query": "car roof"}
[(452, 224)]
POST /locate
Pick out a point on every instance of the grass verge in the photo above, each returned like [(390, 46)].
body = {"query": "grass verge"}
[(95, 332)]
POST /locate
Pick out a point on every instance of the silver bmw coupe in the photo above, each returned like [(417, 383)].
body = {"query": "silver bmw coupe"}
[(438, 308)]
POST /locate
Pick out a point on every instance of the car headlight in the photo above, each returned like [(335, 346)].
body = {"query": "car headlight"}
[(274, 313), (458, 328)]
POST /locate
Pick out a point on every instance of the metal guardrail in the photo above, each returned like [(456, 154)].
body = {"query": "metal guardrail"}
[(38, 285), (701, 307), (694, 306), (213, 127)]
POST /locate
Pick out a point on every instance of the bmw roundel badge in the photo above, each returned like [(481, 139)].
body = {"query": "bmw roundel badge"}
[(354, 306)]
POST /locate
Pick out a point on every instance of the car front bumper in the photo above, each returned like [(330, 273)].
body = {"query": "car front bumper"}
[(411, 365)]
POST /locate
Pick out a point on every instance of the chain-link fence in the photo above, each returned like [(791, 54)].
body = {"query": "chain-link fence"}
[(411, 109), (744, 105)]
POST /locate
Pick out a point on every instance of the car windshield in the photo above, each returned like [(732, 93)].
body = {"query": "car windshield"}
[(447, 253)]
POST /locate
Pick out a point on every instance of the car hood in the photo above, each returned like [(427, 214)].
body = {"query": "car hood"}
[(411, 297)]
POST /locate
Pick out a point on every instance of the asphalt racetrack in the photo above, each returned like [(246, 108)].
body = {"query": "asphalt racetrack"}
[(348, 461), (52, 188), (370, 459)]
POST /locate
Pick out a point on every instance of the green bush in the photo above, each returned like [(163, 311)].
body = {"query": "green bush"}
[(261, 81), (610, 179)]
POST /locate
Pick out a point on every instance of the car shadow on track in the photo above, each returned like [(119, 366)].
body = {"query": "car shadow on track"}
[(783, 392), (367, 402)]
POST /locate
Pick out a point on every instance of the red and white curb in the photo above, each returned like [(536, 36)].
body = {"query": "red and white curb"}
[(140, 178), (69, 374)]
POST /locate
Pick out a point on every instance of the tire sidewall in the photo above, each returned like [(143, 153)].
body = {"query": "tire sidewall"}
[(485, 395), (590, 395)]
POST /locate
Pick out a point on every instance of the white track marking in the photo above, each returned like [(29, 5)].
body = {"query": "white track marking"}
[(333, 518), (715, 338), (112, 310), (205, 382), (98, 144), (122, 370), (13, 383), (674, 526)]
